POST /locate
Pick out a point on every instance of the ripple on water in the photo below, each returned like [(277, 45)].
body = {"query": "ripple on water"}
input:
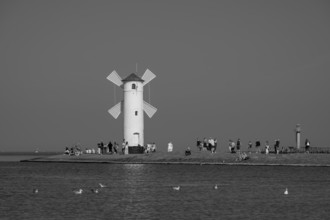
[(145, 191)]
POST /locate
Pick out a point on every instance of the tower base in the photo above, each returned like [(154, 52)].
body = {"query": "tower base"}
[(136, 150)]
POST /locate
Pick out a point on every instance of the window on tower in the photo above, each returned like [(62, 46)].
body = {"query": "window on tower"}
[(136, 112), (133, 86)]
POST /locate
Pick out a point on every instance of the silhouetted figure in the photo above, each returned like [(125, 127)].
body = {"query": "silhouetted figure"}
[(277, 146), (250, 145), (238, 145), (258, 144), (307, 145), (110, 147), (199, 144), (188, 152), (205, 143), (102, 147)]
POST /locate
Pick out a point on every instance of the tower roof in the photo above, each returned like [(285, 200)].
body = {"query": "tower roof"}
[(132, 77)]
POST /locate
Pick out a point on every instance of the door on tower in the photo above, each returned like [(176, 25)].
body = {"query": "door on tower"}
[(136, 139)]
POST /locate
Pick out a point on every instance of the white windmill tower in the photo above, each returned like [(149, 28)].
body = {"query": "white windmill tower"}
[(133, 105)]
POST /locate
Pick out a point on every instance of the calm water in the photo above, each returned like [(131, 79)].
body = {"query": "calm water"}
[(145, 192)]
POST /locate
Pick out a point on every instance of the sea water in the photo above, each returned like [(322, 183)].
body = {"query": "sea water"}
[(146, 191)]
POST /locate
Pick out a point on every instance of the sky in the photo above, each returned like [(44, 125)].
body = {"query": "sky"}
[(224, 69)]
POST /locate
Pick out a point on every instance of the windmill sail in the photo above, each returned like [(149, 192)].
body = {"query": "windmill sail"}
[(115, 78), (115, 110), (149, 109), (147, 77)]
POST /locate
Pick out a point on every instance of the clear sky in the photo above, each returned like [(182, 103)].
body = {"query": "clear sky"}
[(225, 69)]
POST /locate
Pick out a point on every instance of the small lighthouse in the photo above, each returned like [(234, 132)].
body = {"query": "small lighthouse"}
[(298, 130), (133, 105)]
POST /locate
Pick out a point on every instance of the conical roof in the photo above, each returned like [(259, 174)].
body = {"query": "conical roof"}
[(132, 77)]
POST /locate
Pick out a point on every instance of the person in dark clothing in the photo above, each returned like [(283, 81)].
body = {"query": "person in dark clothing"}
[(205, 143), (102, 147), (258, 144), (71, 151), (199, 144), (277, 146), (307, 145), (110, 147), (188, 152), (238, 144)]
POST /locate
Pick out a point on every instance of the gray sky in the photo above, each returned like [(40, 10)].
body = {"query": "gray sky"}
[(225, 69)]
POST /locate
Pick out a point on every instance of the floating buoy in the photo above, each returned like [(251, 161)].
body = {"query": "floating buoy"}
[(177, 188), (286, 192)]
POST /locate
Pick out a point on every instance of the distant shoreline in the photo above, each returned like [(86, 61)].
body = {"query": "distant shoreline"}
[(197, 158)]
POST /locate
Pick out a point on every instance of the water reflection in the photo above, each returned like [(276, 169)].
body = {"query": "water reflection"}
[(134, 166), (133, 175)]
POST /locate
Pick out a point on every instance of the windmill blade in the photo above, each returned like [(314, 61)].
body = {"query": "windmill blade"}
[(115, 78), (149, 109), (115, 110), (147, 77)]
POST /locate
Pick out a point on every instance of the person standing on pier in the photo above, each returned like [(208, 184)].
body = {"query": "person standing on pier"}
[(126, 148), (267, 147), (123, 146), (238, 145), (307, 145), (250, 146), (258, 146)]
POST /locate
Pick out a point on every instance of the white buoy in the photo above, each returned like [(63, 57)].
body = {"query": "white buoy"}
[(35, 191), (216, 186), (286, 192), (177, 188), (133, 105)]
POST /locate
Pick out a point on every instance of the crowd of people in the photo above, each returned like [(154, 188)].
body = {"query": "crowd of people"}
[(235, 147), (110, 148), (207, 144), (73, 151), (150, 148)]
